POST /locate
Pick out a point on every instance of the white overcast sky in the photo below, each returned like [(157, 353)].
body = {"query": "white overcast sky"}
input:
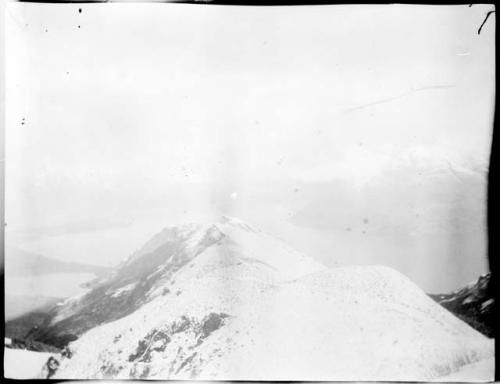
[(126, 99)]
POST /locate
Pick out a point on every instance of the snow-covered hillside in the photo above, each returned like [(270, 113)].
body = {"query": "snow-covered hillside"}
[(152, 270), (226, 301), (22, 364)]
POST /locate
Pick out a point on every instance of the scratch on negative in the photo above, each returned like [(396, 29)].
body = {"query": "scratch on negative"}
[(386, 100)]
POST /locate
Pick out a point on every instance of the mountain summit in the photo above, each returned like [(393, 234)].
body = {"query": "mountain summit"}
[(153, 269), (226, 301)]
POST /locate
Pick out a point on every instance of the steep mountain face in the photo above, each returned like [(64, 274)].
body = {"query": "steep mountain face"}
[(227, 301), (35, 283), (474, 304), (150, 272)]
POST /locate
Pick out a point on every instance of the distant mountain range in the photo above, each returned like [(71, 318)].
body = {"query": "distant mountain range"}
[(22, 263), (407, 201), (474, 304)]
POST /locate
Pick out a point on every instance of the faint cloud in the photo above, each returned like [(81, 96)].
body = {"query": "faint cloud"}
[(75, 227)]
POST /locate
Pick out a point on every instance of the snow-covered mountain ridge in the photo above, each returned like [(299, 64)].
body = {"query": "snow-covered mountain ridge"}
[(227, 301), (150, 271)]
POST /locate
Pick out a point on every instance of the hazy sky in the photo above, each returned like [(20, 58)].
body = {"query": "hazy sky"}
[(130, 111)]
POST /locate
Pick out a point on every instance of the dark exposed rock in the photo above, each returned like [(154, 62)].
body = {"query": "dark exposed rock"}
[(211, 323), (158, 339), (474, 304)]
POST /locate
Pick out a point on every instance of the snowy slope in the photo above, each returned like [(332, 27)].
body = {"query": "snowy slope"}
[(226, 301), (23, 364), (356, 323)]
